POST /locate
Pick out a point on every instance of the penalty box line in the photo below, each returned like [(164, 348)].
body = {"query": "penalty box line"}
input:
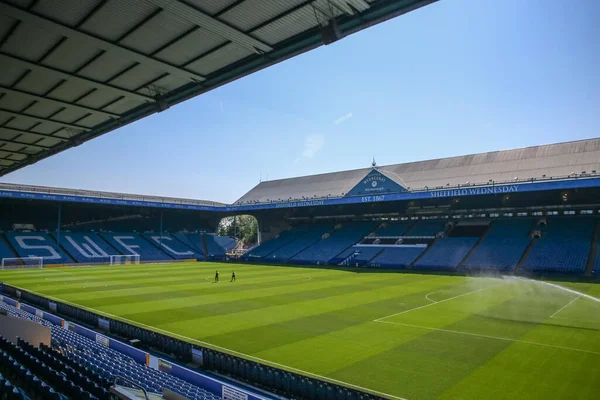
[(224, 349), (435, 303), (429, 328)]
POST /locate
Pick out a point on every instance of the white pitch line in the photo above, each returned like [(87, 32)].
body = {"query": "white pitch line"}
[(565, 306), (230, 351), (437, 302), (427, 297), (490, 337)]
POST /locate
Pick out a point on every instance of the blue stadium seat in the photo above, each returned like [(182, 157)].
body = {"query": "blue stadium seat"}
[(357, 256), (446, 253), (397, 256), (564, 246), (195, 240), (172, 246), (283, 239), (37, 244), (5, 250), (340, 239), (86, 247), (426, 228), (100, 362), (217, 246), (313, 234), (133, 243), (596, 269), (393, 228), (502, 247)]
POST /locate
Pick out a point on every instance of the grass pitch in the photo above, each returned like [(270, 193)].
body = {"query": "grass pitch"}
[(401, 335)]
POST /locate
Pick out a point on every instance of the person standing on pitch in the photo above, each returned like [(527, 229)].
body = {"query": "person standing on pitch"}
[(216, 276), (232, 276)]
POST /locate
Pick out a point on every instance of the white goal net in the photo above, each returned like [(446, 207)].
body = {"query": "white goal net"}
[(22, 262), (125, 259)]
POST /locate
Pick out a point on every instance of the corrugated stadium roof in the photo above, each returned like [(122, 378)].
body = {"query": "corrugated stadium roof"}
[(73, 70), (554, 160), (104, 195)]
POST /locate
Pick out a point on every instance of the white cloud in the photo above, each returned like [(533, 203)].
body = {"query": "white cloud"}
[(312, 145), (343, 118)]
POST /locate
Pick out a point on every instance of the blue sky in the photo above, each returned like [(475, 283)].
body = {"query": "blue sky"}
[(456, 77)]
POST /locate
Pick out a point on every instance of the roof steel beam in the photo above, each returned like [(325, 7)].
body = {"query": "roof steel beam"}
[(40, 119), (35, 146), (40, 135), (7, 59), (58, 102), (92, 41), (2, 149), (195, 16)]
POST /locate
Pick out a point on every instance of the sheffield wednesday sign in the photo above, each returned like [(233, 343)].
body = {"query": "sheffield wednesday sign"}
[(370, 198)]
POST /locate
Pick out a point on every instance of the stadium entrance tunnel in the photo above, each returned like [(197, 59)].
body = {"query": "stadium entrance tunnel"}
[(244, 228)]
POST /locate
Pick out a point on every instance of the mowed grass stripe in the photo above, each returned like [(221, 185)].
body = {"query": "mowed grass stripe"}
[(251, 341), (224, 308), (249, 319), (409, 363), (80, 276), (158, 281), (230, 292), (531, 372)]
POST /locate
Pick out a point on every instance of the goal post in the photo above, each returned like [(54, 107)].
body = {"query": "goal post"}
[(124, 259), (22, 262)]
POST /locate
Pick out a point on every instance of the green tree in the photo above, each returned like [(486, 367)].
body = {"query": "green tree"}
[(245, 227)]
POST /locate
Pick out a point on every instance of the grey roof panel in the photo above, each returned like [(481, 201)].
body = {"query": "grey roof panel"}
[(553, 160), (252, 13), (190, 46), (156, 33), (227, 54), (292, 24), (69, 12), (210, 6), (38, 42), (116, 17), (70, 56)]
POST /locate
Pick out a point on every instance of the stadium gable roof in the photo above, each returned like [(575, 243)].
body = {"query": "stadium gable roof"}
[(73, 70), (555, 160)]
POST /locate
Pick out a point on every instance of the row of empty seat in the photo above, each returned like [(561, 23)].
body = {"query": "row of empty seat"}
[(91, 247), (72, 354), (563, 245)]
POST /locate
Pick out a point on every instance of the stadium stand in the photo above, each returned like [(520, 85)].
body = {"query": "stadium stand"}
[(133, 243), (426, 228), (446, 253), (172, 246), (217, 246), (397, 257), (333, 244), (357, 256), (503, 245), (307, 238), (563, 247), (81, 368), (37, 244), (5, 250), (596, 269), (86, 247), (281, 240), (191, 240), (226, 242), (393, 228)]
